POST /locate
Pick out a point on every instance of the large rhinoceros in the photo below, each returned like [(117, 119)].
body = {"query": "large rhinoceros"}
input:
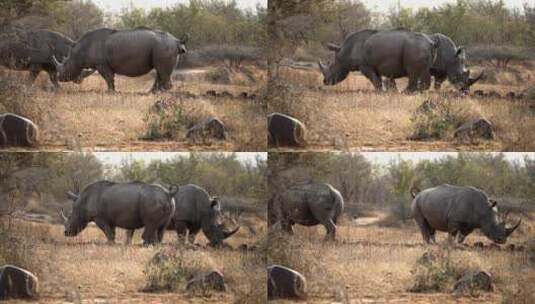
[(125, 205), (130, 53), (351, 56), (34, 51), (458, 211), (195, 211), (308, 205)]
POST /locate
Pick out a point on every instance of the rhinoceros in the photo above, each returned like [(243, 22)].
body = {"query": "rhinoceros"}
[(34, 51), (125, 205), (308, 205), (195, 211), (458, 210), (131, 53), (448, 61)]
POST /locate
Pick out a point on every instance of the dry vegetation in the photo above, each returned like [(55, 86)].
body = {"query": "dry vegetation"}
[(86, 269), (352, 116), (369, 263), (86, 116)]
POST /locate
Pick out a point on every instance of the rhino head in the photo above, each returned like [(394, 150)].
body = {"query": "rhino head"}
[(69, 70), (76, 221), (456, 70), (335, 72), (494, 228), (214, 225)]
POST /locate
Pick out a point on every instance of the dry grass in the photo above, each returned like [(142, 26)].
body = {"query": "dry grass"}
[(87, 116), (372, 264), (352, 116), (86, 269)]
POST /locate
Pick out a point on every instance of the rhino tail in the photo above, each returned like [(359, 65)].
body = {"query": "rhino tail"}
[(338, 206), (172, 208), (414, 191)]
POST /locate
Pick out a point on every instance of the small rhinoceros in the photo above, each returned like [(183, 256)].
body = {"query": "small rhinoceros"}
[(16, 130), (308, 205), (459, 211)]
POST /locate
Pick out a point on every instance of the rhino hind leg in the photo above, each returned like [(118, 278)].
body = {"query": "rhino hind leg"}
[(150, 235), (331, 230), (428, 233)]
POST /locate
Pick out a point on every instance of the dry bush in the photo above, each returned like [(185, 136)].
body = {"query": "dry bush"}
[(174, 266), (437, 271), (19, 243), (252, 286), (439, 119), (18, 98)]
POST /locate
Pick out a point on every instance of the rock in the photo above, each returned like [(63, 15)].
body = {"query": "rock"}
[(212, 127), (17, 131), (17, 283), (211, 93), (479, 245), (284, 283), (285, 130), (243, 95), (479, 127), (475, 280), (494, 94), (479, 93), (511, 95), (213, 280), (225, 94)]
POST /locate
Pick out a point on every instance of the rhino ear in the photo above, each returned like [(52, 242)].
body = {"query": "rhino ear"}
[(215, 203), (493, 203), (460, 51)]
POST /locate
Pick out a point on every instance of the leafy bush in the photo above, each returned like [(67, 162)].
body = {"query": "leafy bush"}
[(169, 268), (436, 271), (438, 119)]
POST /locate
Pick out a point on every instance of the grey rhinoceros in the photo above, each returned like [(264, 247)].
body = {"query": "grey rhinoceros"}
[(387, 55), (458, 211), (125, 205), (196, 210), (308, 205), (31, 51), (130, 53)]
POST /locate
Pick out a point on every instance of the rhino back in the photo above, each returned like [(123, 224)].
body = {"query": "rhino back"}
[(446, 203), (351, 53), (191, 202), (89, 50), (120, 204), (308, 204)]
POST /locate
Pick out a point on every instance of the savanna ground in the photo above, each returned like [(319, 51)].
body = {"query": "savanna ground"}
[(373, 261), (352, 116), (87, 117), (86, 269)]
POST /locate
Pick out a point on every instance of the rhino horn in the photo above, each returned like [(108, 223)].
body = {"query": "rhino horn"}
[(508, 231), (56, 62), (322, 66), (227, 234), (72, 196), (63, 216), (333, 47), (472, 81)]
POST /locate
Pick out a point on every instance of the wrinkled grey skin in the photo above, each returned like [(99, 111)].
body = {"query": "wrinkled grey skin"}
[(195, 211), (448, 63), (130, 53), (307, 205), (33, 51), (125, 205), (458, 211)]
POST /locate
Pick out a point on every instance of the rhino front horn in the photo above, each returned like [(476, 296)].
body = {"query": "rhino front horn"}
[(472, 81), (227, 234), (65, 218), (508, 231)]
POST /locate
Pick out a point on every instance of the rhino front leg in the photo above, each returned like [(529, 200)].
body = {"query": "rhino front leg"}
[(373, 77), (109, 231), (438, 82), (129, 236), (108, 75)]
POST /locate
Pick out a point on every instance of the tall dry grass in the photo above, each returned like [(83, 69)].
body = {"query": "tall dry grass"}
[(352, 116)]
